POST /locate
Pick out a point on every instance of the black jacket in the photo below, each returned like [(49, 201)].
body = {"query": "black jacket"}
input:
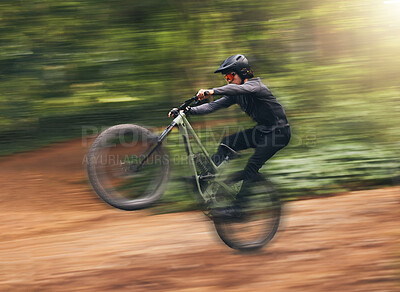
[(254, 98)]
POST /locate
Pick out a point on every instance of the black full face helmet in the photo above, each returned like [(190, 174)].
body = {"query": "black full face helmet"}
[(238, 64)]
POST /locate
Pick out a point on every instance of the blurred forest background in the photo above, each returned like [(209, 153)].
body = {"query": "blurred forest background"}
[(70, 68)]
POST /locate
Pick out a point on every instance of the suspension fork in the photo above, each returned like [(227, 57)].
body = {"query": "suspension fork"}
[(160, 139)]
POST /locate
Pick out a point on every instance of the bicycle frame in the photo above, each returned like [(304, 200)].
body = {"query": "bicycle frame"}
[(185, 130)]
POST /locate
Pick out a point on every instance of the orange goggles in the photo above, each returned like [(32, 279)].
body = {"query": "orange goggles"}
[(229, 76)]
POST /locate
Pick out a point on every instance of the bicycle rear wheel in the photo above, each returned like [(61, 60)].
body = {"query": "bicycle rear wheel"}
[(260, 220), (117, 171)]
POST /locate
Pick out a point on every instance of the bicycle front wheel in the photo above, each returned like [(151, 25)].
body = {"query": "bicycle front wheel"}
[(260, 218), (127, 168)]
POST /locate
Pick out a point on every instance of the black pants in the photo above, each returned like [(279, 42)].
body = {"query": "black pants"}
[(265, 144)]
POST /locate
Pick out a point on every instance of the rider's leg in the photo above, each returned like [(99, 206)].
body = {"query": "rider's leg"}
[(238, 141), (267, 145)]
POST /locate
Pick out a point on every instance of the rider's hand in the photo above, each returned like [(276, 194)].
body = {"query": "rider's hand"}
[(174, 112), (201, 94)]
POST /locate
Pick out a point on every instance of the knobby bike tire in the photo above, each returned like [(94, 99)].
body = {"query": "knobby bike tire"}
[(152, 185)]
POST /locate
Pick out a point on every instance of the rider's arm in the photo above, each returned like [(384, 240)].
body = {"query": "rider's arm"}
[(207, 108), (234, 89)]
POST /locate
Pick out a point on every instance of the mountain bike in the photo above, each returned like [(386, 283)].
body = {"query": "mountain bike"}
[(128, 168)]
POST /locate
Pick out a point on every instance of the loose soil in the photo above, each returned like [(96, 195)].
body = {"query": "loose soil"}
[(56, 235)]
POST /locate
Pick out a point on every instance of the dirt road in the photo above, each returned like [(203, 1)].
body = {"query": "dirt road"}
[(56, 236)]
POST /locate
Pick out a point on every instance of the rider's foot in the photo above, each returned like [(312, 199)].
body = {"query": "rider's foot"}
[(227, 213)]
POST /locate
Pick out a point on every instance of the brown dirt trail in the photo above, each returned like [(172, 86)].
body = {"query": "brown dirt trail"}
[(57, 236)]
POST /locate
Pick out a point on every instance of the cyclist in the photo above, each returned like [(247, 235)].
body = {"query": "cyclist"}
[(269, 135)]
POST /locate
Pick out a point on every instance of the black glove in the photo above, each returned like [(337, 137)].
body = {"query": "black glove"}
[(173, 113)]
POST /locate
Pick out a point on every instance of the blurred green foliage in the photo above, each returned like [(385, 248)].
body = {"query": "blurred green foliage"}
[(67, 65)]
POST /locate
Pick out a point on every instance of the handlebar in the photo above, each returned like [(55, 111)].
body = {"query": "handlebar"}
[(190, 101)]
